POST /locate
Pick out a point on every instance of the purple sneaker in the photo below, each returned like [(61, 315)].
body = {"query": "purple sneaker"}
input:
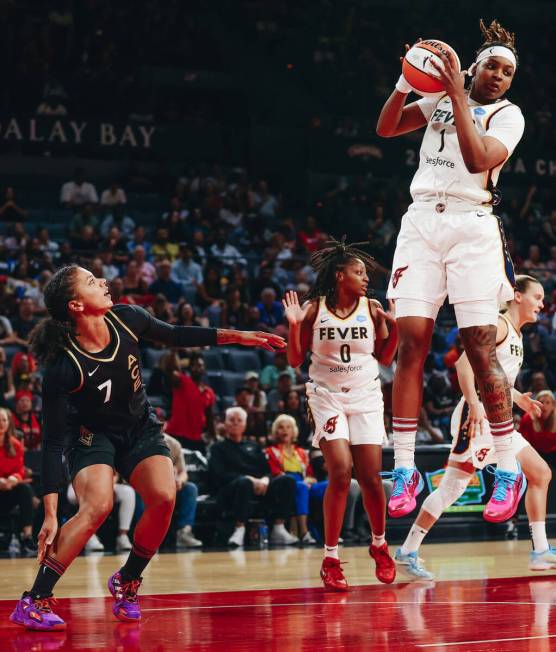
[(36, 613), (126, 607)]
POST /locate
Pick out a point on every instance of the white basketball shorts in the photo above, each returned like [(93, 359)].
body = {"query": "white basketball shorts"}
[(479, 450), (459, 253), (357, 415)]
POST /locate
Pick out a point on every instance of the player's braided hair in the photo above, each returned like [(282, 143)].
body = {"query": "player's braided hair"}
[(332, 258), (52, 333), (495, 34)]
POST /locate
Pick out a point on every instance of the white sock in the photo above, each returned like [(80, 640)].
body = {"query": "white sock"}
[(414, 539), (379, 539), (405, 431), (538, 534), (502, 438), (331, 551)]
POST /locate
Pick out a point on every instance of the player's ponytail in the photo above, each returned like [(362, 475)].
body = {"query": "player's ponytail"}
[(51, 334)]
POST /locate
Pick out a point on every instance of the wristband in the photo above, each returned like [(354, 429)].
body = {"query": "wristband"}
[(402, 85)]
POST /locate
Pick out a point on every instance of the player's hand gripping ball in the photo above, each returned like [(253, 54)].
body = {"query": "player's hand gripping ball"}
[(418, 70)]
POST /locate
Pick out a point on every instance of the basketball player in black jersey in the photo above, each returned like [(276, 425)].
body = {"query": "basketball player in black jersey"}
[(96, 412)]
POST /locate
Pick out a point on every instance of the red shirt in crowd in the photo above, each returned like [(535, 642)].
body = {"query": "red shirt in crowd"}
[(12, 465), (31, 429), (189, 404), (543, 441)]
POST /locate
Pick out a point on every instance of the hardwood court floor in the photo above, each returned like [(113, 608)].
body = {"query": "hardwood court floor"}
[(484, 598)]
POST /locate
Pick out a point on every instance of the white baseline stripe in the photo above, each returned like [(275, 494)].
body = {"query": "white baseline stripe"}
[(346, 604), (487, 640)]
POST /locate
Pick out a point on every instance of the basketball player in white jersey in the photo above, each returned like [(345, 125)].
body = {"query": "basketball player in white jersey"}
[(472, 446), (345, 333), (451, 244)]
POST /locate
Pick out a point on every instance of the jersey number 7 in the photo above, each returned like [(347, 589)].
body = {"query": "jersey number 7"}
[(108, 387)]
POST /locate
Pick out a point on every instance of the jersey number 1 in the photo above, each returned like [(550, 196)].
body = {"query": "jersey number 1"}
[(108, 387), (442, 140)]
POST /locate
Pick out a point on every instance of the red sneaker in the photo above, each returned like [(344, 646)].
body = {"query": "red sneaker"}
[(332, 575), (385, 567)]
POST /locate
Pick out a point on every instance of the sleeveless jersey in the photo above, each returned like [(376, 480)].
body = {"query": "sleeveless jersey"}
[(442, 171), (342, 350), (510, 352), (110, 397)]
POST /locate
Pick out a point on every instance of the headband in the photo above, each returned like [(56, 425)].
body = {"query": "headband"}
[(497, 51)]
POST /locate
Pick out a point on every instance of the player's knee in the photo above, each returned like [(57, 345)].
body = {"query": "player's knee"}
[(340, 478), (541, 475), (410, 351), (96, 513), (372, 482), (163, 499), (451, 487)]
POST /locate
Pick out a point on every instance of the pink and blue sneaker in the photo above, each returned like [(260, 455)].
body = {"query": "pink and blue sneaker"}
[(126, 607), (408, 484), (506, 494), (36, 613)]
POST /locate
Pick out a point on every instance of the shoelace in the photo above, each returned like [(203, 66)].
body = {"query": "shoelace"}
[(335, 570), (504, 481), (45, 604), (129, 590), (401, 480)]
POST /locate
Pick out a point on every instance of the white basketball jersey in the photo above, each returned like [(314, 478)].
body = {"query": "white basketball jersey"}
[(510, 352), (442, 171), (342, 351)]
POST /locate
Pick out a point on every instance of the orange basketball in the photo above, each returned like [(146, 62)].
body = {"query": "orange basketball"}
[(420, 74)]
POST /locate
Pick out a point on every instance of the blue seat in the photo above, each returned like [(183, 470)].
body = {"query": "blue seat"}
[(213, 360), (152, 356), (243, 360)]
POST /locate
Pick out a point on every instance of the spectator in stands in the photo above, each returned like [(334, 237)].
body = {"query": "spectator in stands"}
[(10, 211), (24, 322), (26, 420), (47, 245), (85, 217), (310, 236), (7, 389), (162, 379), (6, 331), (146, 269), (295, 407), (239, 473), (126, 498), (132, 278), (14, 491), (278, 396), (258, 396), (117, 217), (86, 242), (185, 270), (234, 310), (193, 401), (225, 253), (534, 264), (270, 373), (285, 457), (36, 293), (162, 309), (17, 238), (77, 192), (140, 239), (266, 204), (272, 313), (256, 427), (540, 432), (109, 269), (116, 286), (185, 315), (174, 222), (162, 247), (265, 280), (164, 283), (186, 497), (113, 196)]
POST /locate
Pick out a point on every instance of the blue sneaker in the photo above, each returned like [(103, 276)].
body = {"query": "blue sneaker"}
[(412, 566), (507, 492), (408, 484), (539, 561)]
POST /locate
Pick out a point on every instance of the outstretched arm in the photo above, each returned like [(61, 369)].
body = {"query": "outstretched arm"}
[(142, 324)]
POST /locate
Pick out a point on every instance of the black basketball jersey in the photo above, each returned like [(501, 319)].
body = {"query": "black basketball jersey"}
[(110, 397), (84, 393)]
